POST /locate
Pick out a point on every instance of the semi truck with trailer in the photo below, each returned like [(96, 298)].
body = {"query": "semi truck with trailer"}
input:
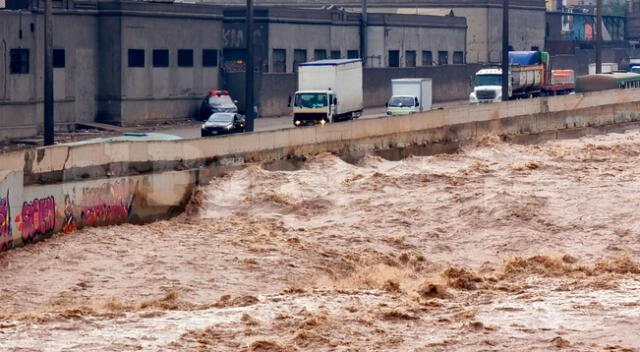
[(529, 76), (410, 96), (328, 91)]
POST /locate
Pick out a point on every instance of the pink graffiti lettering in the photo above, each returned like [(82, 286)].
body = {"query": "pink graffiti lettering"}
[(37, 218), (6, 240), (110, 204)]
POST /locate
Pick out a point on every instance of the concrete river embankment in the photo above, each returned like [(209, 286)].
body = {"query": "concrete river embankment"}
[(64, 188)]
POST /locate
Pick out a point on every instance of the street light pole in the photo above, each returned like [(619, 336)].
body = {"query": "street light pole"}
[(599, 36), (249, 70), (364, 35), (48, 74), (505, 50)]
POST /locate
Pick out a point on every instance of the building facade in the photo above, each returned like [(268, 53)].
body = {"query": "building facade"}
[(484, 19), (137, 62), (117, 62)]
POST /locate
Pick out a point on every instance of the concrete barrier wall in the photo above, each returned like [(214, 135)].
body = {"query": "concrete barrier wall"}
[(450, 83), (31, 212), (62, 188)]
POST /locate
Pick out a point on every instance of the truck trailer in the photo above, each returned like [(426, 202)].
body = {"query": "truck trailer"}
[(409, 96), (529, 76), (328, 91)]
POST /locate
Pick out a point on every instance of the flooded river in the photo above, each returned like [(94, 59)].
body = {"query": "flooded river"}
[(499, 247)]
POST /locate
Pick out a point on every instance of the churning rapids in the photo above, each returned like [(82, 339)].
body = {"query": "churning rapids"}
[(498, 247)]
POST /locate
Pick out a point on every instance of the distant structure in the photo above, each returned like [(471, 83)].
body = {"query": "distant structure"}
[(484, 23)]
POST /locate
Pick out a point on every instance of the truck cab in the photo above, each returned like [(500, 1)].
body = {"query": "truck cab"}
[(403, 105), (314, 107), (487, 87)]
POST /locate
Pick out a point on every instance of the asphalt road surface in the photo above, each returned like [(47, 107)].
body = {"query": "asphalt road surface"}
[(192, 131)]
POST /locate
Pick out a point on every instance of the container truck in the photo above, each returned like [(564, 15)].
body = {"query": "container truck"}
[(529, 75), (329, 91), (409, 96)]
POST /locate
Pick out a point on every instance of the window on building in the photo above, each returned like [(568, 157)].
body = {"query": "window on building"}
[(209, 57), (59, 58), (320, 54), (427, 58), (160, 58), (19, 61), (279, 60), (136, 57), (394, 58), (458, 57), (336, 54), (410, 58), (443, 57), (299, 57), (185, 57), (353, 54)]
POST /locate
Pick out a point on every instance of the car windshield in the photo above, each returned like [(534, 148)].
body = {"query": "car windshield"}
[(311, 100), (488, 80), (228, 118), (401, 101), (220, 100)]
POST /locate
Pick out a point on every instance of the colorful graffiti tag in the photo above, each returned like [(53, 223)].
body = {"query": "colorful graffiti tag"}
[(106, 205), (37, 218), (69, 223), (6, 239)]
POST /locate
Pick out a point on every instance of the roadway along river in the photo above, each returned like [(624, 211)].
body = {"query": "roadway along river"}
[(498, 247)]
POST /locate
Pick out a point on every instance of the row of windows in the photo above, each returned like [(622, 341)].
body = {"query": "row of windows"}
[(410, 59), (279, 57), (19, 60), (160, 58)]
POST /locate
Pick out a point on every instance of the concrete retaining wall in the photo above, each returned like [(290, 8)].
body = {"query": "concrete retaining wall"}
[(62, 188), (450, 83)]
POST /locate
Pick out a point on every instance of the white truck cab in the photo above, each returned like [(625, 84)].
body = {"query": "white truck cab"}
[(487, 86), (319, 105)]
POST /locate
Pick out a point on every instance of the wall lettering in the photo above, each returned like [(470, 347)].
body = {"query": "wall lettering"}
[(37, 218)]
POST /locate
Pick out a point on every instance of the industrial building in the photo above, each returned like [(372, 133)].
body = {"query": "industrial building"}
[(288, 36), (138, 62), (484, 19), (119, 62)]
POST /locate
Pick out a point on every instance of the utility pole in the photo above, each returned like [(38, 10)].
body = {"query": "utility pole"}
[(505, 50), (249, 70), (48, 74), (364, 35), (599, 36)]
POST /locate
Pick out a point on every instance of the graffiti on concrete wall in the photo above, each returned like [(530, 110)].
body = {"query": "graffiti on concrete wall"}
[(6, 239), (105, 205), (69, 223), (37, 218), (96, 205)]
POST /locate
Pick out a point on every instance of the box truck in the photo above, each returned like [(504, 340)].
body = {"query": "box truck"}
[(328, 91), (409, 96)]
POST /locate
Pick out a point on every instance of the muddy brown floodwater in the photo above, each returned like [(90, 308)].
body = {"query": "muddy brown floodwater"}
[(499, 247)]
